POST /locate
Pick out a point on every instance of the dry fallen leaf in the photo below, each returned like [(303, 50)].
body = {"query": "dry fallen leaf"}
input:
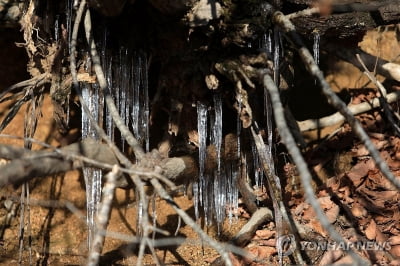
[(359, 171), (270, 242), (370, 231), (394, 240), (381, 238), (265, 234), (395, 251), (358, 211), (330, 208), (379, 144), (376, 181), (262, 252), (382, 199)]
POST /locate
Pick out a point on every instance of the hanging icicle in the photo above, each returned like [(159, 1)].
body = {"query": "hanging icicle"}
[(92, 176), (265, 44), (145, 103), (218, 191), (232, 193), (316, 46), (276, 54), (216, 136), (200, 188), (140, 112)]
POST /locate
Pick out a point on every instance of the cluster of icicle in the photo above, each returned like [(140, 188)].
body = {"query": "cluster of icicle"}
[(126, 74), (217, 191)]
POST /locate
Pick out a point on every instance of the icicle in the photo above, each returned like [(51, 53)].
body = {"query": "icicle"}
[(220, 197), (276, 53), (233, 170), (139, 212), (316, 46), (216, 134), (56, 28), (218, 190), (238, 126), (127, 84), (268, 117), (266, 43), (196, 199), (228, 177), (258, 174), (232, 193), (123, 80), (206, 197), (145, 102), (68, 19), (137, 72), (202, 134), (92, 176)]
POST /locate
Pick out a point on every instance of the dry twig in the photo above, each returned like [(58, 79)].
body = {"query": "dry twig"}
[(355, 109), (302, 167), (247, 231), (382, 97), (103, 217)]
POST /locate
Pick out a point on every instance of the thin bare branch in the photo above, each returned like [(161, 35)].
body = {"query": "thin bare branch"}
[(247, 231), (26, 164), (103, 217), (355, 109), (302, 167), (36, 81), (282, 222), (382, 98), (74, 38), (304, 13)]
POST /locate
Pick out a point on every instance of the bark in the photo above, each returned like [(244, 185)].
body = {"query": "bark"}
[(345, 19)]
